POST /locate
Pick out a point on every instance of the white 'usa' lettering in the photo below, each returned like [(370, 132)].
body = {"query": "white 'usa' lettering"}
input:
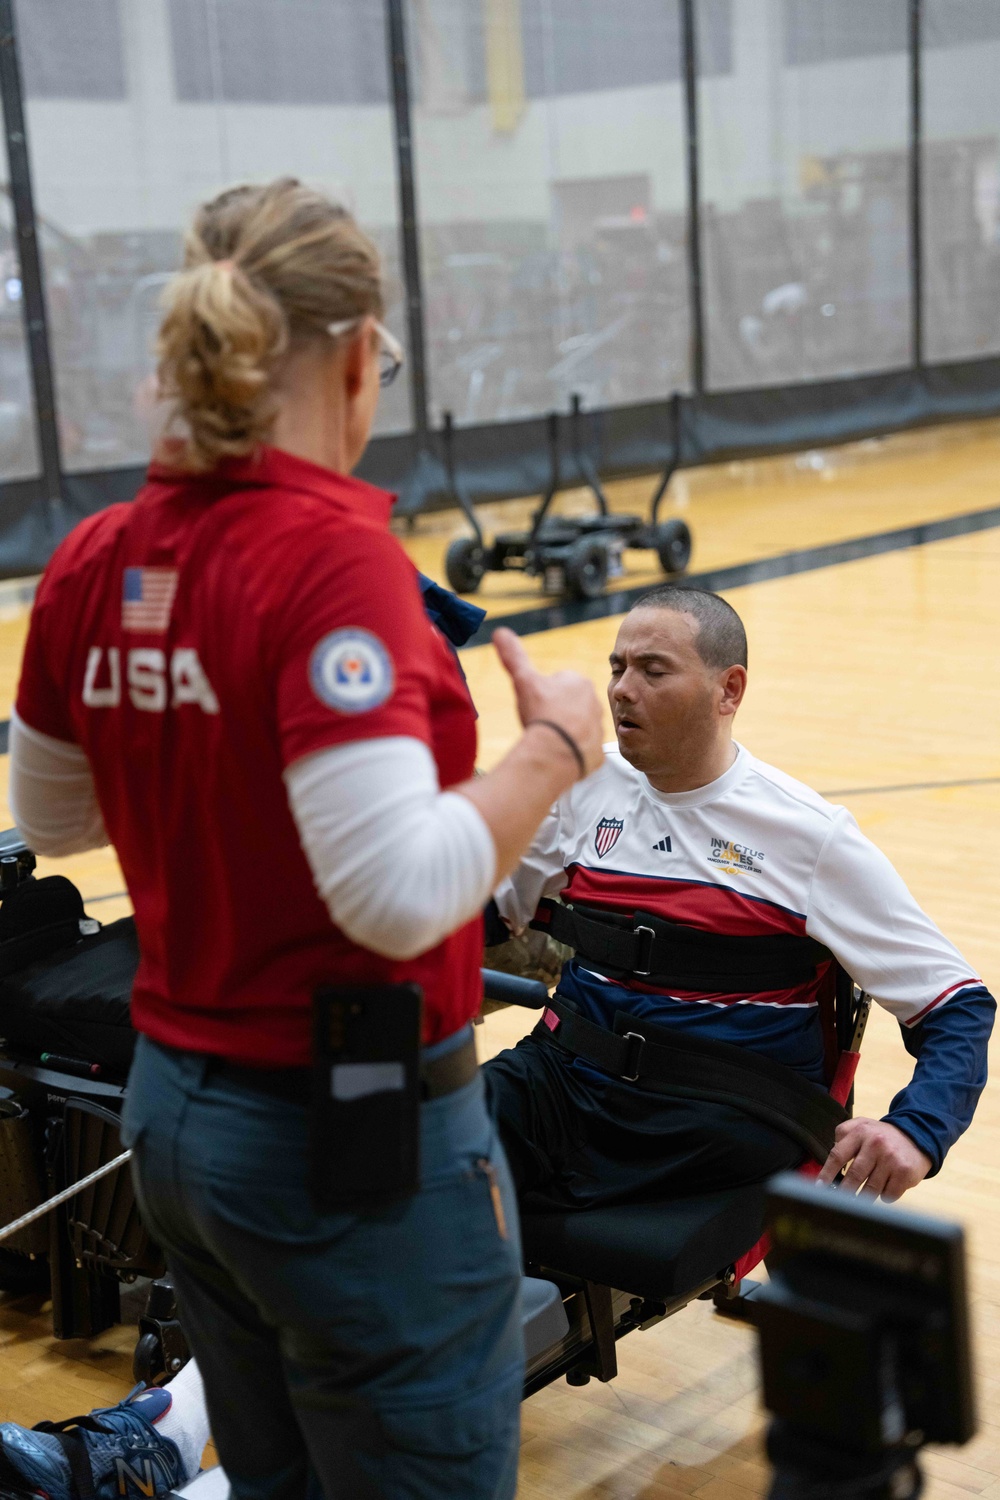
[(146, 675), (102, 697)]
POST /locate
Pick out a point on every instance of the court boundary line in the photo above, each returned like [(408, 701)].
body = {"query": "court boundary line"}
[(720, 580), (912, 786), (742, 575)]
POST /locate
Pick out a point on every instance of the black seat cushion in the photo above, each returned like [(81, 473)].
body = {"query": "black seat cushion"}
[(660, 1250), (37, 919), (76, 1002)]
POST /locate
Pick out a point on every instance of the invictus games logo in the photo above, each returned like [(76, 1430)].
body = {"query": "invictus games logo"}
[(606, 836), (735, 859)]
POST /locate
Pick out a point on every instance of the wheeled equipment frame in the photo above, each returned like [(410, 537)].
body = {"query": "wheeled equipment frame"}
[(574, 556)]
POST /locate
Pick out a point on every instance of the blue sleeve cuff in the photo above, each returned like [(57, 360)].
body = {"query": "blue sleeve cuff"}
[(918, 1132), (950, 1048)]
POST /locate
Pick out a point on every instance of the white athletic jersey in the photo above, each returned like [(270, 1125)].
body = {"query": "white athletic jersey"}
[(752, 853)]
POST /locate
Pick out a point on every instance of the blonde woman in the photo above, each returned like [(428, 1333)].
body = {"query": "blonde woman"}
[(233, 681)]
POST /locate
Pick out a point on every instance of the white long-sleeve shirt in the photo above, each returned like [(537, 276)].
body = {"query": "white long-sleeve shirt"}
[(398, 862)]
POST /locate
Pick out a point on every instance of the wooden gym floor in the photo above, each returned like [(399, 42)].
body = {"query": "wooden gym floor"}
[(874, 681)]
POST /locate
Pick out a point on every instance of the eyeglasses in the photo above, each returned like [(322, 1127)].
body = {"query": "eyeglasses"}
[(390, 354)]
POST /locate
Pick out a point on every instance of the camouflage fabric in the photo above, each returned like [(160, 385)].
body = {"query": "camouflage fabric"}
[(533, 955)]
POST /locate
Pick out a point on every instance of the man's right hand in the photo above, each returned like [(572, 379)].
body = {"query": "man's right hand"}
[(566, 698), (877, 1158)]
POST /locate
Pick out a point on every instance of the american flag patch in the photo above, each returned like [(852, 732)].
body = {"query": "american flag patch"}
[(606, 836), (147, 598)]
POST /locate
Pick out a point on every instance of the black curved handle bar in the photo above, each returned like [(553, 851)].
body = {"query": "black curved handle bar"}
[(514, 990)]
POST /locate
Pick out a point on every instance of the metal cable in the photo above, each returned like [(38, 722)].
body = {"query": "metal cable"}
[(64, 1196)]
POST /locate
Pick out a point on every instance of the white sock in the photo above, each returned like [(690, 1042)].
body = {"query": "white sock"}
[(186, 1423)]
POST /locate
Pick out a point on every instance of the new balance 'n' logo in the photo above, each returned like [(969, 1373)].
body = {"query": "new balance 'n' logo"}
[(145, 1482), (663, 845)]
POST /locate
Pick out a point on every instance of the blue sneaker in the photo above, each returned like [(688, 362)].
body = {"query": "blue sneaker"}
[(114, 1454)]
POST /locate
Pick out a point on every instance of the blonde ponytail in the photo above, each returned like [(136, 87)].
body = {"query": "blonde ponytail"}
[(265, 269)]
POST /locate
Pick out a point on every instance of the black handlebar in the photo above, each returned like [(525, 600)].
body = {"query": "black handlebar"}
[(513, 990)]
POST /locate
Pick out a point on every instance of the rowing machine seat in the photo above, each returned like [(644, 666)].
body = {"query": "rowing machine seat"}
[(660, 1250), (76, 1002)]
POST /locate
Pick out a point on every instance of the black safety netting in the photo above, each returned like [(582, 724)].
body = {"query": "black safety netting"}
[(804, 219), (18, 433), (961, 178), (551, 190), (138, 112), (553, 232)]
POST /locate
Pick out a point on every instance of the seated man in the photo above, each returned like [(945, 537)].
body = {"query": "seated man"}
[(682, 823)]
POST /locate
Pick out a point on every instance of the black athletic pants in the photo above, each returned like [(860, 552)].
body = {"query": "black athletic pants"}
[(577, 1138)]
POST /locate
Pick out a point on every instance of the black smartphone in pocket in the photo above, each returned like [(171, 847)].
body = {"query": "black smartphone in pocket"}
[(364, 1121)]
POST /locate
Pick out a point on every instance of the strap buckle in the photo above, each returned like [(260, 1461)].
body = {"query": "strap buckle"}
[(643, 950), (634, 1054)]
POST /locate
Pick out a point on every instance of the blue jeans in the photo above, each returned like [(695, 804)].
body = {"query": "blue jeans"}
[(353, 1355)]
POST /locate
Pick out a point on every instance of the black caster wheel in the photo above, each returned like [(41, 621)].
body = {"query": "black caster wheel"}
[(162, 1349), (673, 545), (586, 568), (147, 1359), (464, 564)]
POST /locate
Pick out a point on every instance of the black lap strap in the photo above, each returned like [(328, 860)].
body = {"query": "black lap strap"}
[(79, 1465), (689, 1068), (669, 955), (76, 1453)]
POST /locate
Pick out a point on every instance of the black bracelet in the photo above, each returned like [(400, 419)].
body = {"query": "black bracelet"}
[(567, 738)]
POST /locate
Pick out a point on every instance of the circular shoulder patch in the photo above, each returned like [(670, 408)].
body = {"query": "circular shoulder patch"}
[(350, 670)]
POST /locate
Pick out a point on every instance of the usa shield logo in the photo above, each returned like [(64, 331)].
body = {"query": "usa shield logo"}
[(606, 836)]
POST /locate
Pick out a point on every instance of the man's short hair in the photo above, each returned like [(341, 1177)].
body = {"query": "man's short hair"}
[(721, 640)]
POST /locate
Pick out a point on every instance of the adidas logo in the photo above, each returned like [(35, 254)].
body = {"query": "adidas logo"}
[(664, 845)]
